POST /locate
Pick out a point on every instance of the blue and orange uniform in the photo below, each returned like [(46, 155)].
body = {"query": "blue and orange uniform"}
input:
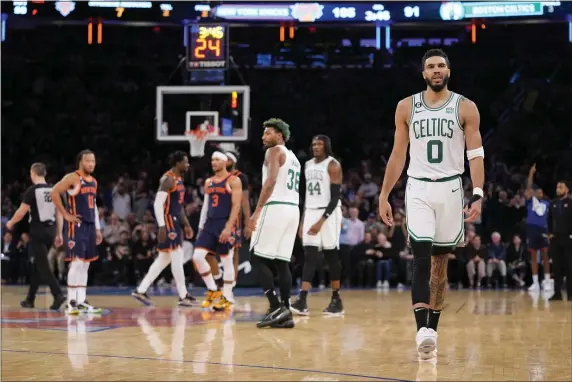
[(220, 205), (80, 237), (172, 210)]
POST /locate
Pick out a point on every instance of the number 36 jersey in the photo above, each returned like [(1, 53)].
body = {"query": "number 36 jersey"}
[(436, 139), (286, 190)]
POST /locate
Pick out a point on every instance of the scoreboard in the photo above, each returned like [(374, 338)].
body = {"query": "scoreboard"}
[(207, 46)]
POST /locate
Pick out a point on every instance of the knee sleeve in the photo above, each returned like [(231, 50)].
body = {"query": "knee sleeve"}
[(334, 264), (310, 262), (228, 265), (75, 273), (420, 292), (200, 259)]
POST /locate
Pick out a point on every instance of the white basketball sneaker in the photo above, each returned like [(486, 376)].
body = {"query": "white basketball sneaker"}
[(534, 287), (426, 343)]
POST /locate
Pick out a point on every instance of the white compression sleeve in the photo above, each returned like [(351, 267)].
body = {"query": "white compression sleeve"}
[(158, 207), (204, 212), (97, 223)]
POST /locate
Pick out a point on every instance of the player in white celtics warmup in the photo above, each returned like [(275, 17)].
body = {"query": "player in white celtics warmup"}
[(275, 221), (322, 223), (436, 123)]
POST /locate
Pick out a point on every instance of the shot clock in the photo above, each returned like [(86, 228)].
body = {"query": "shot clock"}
[(207, 46)]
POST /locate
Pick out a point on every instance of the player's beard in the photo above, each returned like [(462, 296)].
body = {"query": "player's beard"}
[(560, 194), (438, 88)]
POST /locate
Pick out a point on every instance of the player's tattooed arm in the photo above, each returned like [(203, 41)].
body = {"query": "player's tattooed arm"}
[(68, 182), (471, 119), (167, 183), (273, 163), (396, 162)]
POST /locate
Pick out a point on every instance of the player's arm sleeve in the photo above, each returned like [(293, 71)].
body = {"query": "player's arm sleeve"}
[(204, 210), (160, 200), (335, 171), (97, 222)]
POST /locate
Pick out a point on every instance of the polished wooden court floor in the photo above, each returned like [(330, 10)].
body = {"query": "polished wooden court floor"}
[(483, 335)]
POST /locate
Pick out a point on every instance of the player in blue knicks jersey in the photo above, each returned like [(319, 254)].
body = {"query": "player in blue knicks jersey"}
[(172, 221), (82, 231), (218, 231)]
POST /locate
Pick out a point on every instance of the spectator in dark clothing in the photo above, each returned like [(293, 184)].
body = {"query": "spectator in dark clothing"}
[(143, 254), (456, 268), (496, 258), (477, 255), (363, 256), (397, 233), (384, 253), (499, 213), (516, 256)]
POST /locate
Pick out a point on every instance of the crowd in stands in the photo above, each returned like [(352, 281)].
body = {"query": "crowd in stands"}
[(61, 95)]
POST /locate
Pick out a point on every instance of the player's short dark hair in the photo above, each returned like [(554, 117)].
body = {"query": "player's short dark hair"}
[(81, 154), (176, 157), (280, 126), (435, 53), (566, 183), (327, 144), (39, 169)]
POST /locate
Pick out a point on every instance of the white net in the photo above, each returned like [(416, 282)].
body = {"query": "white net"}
[(197, 141)]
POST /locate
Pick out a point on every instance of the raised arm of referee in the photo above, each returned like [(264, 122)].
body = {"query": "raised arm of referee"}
[(43, 218)]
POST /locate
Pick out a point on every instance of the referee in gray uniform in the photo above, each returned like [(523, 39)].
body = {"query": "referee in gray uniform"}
[(43, 220)]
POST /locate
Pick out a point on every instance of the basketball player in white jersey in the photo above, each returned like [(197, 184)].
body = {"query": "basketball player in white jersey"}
[(322, 223), (275, 222), (436, 123)]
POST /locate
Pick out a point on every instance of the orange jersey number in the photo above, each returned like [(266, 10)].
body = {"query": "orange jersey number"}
[(215, 201), (91, 201)]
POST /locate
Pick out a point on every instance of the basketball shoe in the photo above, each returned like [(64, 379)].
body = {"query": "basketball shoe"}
[(300, 307), (84, 307), (426, 343), (187, 301), (142, 298), (211, 297), (276, 316), (222, 304), (71, 308), (336, 308)]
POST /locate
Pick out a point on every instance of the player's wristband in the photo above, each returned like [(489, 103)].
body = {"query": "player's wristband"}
[(477, 195)]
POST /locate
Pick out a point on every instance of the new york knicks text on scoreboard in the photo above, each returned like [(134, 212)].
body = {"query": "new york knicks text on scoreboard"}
[(207, 46)]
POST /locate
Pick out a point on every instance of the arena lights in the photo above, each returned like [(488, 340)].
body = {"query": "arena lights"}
[(4, 18)]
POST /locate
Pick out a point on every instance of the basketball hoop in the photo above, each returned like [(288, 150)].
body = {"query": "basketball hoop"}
[(197, 140)]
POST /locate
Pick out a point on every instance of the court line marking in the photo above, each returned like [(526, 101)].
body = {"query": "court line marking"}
[(212, 363), (461, 307)]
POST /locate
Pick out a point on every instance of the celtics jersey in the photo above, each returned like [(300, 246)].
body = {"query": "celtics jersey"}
[(436, 139), (287, 185), (317, 183)]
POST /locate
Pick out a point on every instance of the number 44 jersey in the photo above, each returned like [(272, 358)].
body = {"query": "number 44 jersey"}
[(317, 183), (436, 139)]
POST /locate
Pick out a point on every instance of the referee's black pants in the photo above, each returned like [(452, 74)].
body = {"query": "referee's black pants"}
[(561, 252), (41, 240)]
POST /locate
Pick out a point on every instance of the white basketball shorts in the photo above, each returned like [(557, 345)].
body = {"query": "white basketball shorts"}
[(276, 231), (434, 210), (329, 235)]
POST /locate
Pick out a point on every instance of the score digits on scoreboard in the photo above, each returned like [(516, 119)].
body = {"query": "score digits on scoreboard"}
[(207, 46)]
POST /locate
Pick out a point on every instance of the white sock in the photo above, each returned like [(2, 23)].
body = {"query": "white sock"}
[(203, 267), (228, 266), (178, 273), (547, 276), (82, 289), (160, 263), (227, 292), (74, 279), (535, 279)]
